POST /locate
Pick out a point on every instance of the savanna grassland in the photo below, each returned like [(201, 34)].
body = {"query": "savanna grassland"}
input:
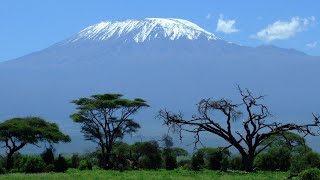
[(145, 174)]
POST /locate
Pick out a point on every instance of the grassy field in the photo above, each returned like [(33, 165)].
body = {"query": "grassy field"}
[(141, 174)]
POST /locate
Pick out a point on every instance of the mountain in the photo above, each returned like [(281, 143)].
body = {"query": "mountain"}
[(172, 63)]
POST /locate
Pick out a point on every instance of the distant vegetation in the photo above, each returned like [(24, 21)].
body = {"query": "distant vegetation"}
[(106, 118)]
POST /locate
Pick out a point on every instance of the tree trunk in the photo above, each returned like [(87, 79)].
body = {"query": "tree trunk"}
[(105, 159), (248, 163), (9, 162), (108, 164)]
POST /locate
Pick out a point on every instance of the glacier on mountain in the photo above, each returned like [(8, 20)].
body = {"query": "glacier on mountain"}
[(143, 30)]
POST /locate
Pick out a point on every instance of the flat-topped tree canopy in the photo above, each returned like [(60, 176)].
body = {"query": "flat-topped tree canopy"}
[(18, 132), (106, 118)]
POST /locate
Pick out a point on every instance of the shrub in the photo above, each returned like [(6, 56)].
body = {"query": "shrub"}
[(48, 156), (304, 161), (274, 159), (147, 155), (170, 162), (85, 165), (60, 165), (197, 161), (74, 161), (49, 168), (31, 164), (3, 170), (236, 163), (218, 159), (185, 163), (310, 174), (16, 160)]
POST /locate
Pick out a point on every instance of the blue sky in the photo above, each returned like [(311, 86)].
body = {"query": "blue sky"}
[(28, 26)]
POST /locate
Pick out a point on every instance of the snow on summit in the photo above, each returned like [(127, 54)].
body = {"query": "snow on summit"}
[(144, 30)]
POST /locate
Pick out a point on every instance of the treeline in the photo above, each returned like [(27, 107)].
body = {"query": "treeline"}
[(151, 155), (106, 118)]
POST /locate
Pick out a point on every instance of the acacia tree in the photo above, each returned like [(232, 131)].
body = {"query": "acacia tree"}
[(105, 118), (16, 133), (250, 141)]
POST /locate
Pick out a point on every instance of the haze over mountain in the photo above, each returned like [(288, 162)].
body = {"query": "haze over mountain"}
[(172, 63)]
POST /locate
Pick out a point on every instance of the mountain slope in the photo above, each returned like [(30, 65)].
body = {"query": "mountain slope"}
[(143, 30), (169, 62)]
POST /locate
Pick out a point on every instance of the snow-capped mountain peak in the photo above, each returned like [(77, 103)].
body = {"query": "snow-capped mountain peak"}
[(144, 30)]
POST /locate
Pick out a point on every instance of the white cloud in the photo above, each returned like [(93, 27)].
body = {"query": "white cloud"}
[(280, 30), (226, 26), (208, 16), (312, 45)]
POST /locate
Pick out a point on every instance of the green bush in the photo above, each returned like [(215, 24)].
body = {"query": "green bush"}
[(60, 165), (310, 174), (85, 165), (48, 156), (197, 161), (218, 159), (74, 161), (49, 168), (236, 163), (274, 159), (170, 162), (31, 164), (184, 164), (3, 170), (304, 161), (147, 155), (170, 159)]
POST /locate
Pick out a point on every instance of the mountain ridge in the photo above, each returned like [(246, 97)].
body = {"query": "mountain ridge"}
[(173, 74), (142, 30)]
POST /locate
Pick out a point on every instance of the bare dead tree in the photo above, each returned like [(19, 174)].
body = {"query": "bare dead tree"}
[(256, 130)]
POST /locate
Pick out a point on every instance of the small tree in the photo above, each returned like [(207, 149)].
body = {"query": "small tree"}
[(170, 159), (74, 160), (60, 165), (256, 129), (48, 155), (278, 156), (197, 161), (106, 118), (17, 132), (147, 155)]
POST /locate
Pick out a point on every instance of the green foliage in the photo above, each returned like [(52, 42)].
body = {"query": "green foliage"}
[(31, 164), (48, 156), (286, 139), (18, 132), (85, 165), (108, 108), (178, 151), (3, 170), (147, 155), (49, 168), (236, 163), (170, 159), (31, 130), (122, 156), (16, 160), (276, 158), (214, 158), (60, 165), (304, 160), (185, 164), (105, 118), (310, 174), (178, 174), (197, 161), (74, 160)]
